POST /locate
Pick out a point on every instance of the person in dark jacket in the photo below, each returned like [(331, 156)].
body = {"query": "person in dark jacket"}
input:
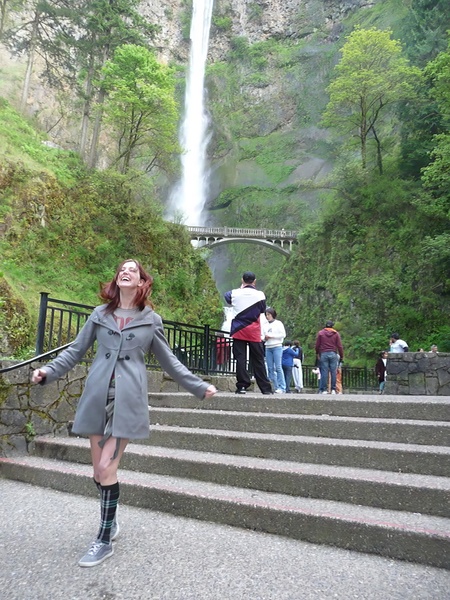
[(113, 407), (290, 352), (329, 350), (380, 370)]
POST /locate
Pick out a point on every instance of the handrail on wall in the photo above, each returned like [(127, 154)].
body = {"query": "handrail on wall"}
[(35, 359)]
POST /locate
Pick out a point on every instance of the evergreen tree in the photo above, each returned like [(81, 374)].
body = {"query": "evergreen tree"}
[(424, 32), (75, 38)]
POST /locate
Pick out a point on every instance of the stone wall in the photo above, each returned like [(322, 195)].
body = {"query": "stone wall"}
[(28, 410), (418, 374)]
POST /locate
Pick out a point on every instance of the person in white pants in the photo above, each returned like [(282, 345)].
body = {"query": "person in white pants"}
[(297, 371)]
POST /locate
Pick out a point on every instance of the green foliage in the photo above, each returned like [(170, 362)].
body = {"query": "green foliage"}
[(185, 19), (30, 431), (141, 109), (424, 29), (272, 153), (222, 22), (19, 138), (366, 265), (372, 74)]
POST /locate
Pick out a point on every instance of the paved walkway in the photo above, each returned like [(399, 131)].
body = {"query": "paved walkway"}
[(157, 556)]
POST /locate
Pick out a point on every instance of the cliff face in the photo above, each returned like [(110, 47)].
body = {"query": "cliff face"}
[(255, 20)]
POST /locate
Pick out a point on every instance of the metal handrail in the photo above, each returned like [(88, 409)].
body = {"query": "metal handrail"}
[(34, 359)]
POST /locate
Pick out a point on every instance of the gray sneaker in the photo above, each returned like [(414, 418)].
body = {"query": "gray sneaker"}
[(96, 554), (115, 527)]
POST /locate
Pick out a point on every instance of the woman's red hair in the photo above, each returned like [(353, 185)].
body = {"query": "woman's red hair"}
[(110, 292)]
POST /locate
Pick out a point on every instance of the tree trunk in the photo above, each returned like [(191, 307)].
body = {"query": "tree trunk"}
[(93, 156), (363, 134), (2, 16), (86, 110), (30, 61), (379, 158)]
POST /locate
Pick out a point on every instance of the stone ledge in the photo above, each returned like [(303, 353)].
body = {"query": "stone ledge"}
[(418, 373)]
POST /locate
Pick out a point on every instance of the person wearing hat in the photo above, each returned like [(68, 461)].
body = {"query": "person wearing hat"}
[(396, 344), (248, 305), (329, 350)]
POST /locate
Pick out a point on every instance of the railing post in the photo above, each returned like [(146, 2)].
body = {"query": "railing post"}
[(207, 349), (41, 323), (365, 379)]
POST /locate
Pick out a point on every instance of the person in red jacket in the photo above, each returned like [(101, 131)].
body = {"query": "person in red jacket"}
[(329, 350)]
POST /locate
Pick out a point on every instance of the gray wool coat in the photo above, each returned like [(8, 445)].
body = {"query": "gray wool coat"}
[(122, 352)]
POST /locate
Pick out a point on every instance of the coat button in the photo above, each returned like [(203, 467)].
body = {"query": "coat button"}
[(108, 354), (110, 332), (127, 357)]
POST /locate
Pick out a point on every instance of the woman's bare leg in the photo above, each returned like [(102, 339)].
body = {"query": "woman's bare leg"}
[(105, 467)]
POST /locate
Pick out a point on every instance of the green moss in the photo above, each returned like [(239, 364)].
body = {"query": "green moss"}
[(4, 390)]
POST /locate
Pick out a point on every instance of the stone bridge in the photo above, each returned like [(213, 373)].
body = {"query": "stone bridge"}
[(280, 240)]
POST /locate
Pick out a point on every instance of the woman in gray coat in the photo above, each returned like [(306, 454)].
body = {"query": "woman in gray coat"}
[(113, 407)]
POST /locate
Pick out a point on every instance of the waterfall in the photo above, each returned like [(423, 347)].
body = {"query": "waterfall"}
[(228, 313), (189, 196)]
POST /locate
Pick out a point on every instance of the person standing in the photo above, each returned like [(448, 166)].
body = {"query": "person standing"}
[(297, 371), (396, 344), (248, 305), (113, 407), (290, 353), (339, 388), (380, 370), (274, 334), (329, 350)]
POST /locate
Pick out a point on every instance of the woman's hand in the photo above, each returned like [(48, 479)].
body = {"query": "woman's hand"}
[(38, 375), (210, 391)]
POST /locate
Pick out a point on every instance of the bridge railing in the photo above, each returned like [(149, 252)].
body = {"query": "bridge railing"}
[(203, 350), (243, 232)]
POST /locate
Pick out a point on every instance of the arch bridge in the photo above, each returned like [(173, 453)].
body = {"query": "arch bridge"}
[(280, 240)]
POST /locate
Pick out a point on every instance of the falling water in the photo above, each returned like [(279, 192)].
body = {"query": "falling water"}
[(190, 195)]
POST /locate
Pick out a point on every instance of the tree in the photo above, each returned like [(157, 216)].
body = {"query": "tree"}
[(75, 38), (436, 176), (5, 7), (38, 33), (372, 75), (424, 31), (141, 107), (435, 200), (106, 25)]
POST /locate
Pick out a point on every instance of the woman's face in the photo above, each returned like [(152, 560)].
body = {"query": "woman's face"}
[(269, 317), (129, 276)]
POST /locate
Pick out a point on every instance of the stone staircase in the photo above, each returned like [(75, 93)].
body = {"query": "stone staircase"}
[(366, 473)]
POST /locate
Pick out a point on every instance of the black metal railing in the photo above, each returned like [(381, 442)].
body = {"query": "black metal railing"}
[(202, 349)]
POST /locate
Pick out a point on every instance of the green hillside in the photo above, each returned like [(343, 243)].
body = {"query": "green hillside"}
[(65, 229)]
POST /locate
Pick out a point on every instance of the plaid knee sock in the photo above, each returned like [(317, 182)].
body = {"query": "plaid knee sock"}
[(109, 499)]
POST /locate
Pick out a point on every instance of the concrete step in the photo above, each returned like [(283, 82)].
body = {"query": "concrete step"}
[(427, 408), (385, 456), (397, 534), (356, 428), (396, 491)]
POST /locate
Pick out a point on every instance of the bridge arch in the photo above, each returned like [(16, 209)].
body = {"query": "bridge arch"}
[(268, 243)]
